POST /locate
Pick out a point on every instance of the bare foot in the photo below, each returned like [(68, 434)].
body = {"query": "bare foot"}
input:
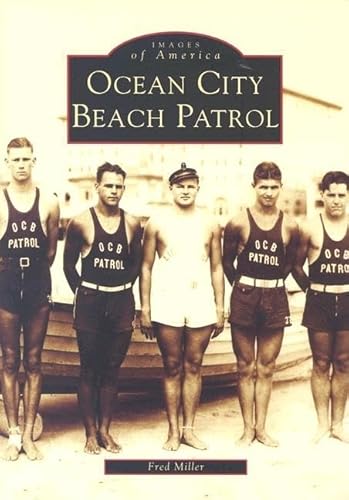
[(92, 446), (11, 453), (31, 450), (172, 443), (106, 441), (337, 432), (267, 440), (190, 439), (14, 444), (321, 433), (247, 438)]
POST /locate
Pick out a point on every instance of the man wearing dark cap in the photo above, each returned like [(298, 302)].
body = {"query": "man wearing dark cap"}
[(325, 243), (263, 241), (183, 304)]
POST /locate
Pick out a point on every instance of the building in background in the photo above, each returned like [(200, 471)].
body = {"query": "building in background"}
[(312, 144)]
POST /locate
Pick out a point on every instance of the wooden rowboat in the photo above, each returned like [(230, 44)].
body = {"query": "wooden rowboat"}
[(142, 368)]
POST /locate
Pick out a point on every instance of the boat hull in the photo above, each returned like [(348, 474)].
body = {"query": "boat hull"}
[(142, 369)]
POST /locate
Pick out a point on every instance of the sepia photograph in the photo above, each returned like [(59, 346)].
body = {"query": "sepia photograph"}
[(174, 250)]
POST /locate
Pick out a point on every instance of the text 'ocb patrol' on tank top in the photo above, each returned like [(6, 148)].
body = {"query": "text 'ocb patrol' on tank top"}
[(263, 256), (24, 236), (108, 261), (332, 265)]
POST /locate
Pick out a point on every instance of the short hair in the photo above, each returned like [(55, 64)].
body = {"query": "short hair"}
[(334, 177), (266, 170), (20, 142), (108, 167)]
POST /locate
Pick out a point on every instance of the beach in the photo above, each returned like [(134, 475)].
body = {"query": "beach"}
[(296, 469)]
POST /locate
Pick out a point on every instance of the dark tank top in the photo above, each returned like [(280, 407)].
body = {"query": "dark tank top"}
[(108, 261), (263, 256), (24, 236), (332, 265)]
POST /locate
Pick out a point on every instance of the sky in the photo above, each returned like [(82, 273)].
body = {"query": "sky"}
[(37, 36)]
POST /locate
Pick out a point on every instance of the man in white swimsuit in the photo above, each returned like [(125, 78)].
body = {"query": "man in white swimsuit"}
[(185, 307)]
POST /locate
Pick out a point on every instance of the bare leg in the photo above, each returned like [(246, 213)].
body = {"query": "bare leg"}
[(340, 384), (9, 337), (87, 390), (34, 331), (113, 351), (170, 343), (321, 344), (195, 343), (268, 348), (243, 344)]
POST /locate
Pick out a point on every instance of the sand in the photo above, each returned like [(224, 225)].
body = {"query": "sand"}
[(296, 470)]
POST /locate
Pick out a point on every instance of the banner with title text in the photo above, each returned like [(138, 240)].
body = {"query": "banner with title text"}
[(174, 87)]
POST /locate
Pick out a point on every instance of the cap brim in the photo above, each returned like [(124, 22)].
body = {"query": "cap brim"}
[(182, 177)]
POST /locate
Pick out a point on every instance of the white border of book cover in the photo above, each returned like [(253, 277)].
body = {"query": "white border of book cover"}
[(311, 37)]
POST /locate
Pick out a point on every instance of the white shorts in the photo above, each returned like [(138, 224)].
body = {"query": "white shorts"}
[(182, 293), (193, 307)]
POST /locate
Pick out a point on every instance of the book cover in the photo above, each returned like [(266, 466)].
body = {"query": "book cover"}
[(37, 39)]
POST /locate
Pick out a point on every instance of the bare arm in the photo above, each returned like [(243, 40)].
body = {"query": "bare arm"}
[(149, 250), (136, 252), (301, 254), (72, 248), (230, 250), (217, 278), (291, 249), (52, 230)]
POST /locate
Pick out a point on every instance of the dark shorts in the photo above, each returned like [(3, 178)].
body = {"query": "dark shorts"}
[(326, 312), (27, 291), (96, 311), (102, 352), (255, 307)]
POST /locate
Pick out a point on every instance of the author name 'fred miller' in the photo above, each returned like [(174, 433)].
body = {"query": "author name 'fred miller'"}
[(209, 83), (176, 466)]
